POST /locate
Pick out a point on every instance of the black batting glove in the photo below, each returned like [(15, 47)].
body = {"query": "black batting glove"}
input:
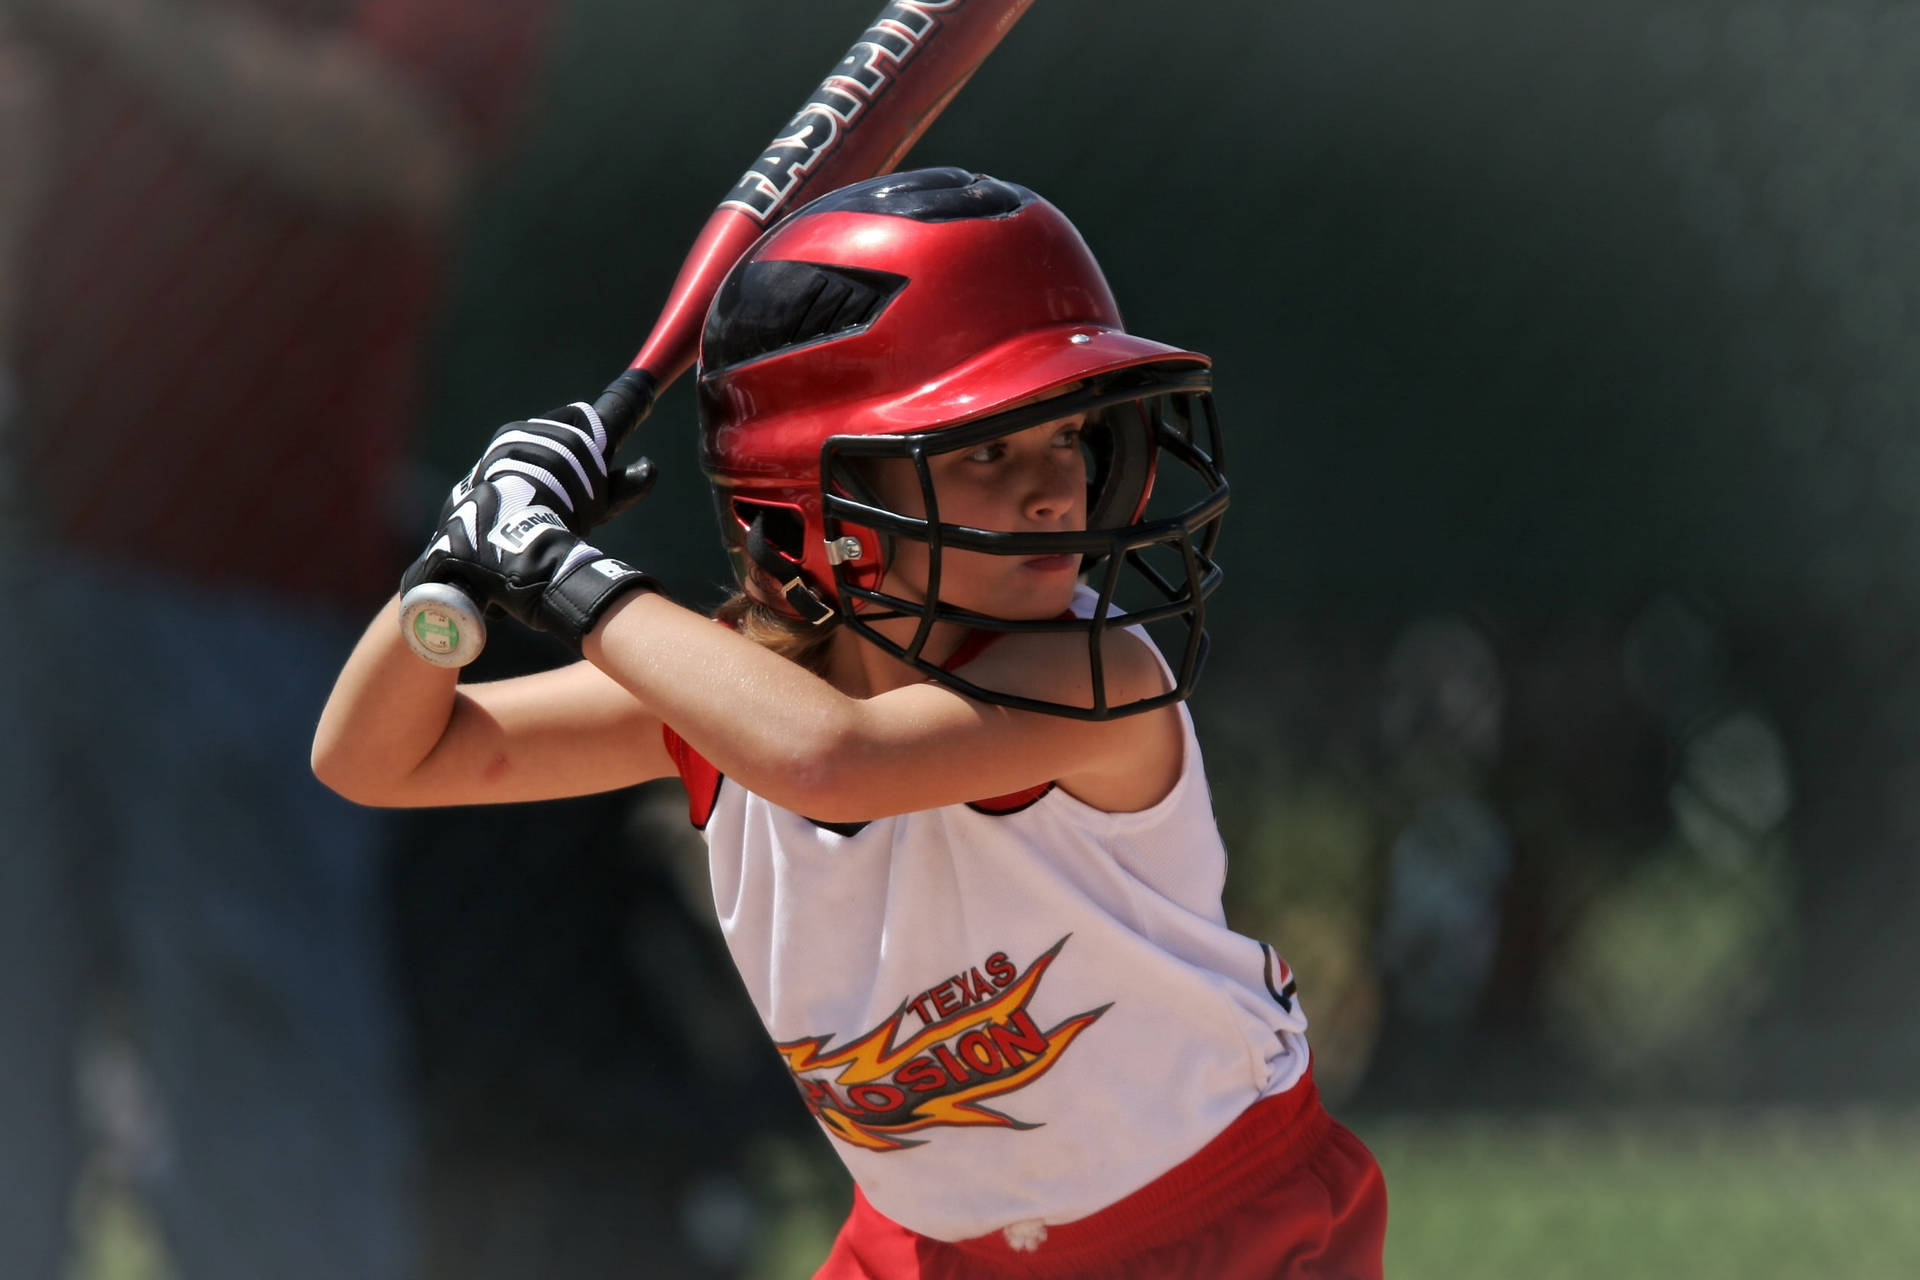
[(510, 531), (516, 555), (565, 455)]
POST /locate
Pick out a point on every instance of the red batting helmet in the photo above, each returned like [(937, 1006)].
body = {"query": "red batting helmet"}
[(929, 311)]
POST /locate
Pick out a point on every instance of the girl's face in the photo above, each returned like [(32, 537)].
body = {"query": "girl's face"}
[(1032, 481)]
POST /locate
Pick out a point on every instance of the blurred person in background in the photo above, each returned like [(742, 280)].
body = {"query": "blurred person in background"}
[(238, 239), (23, 132)]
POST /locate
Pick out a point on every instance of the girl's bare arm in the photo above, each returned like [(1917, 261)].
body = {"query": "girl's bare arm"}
[(397, 732), (788, 735)]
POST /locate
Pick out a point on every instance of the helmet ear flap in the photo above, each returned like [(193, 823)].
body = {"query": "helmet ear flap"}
[(768, 541), (768, 544), (778, 527)]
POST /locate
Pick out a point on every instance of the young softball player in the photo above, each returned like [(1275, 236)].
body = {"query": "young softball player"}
[(961, 842)]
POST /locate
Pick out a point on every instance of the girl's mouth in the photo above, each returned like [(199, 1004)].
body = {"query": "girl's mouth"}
[(1052, 564)]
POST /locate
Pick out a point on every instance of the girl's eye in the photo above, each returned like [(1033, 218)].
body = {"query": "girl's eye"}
[(1067, 437), (992, 451)]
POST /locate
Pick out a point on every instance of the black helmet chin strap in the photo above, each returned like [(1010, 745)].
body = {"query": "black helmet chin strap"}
[(785, 572)]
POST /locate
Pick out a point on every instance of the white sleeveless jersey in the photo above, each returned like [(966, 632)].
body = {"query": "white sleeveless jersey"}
[(1002, 1013)]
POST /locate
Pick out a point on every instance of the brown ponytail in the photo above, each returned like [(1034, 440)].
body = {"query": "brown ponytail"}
[(797, 641)]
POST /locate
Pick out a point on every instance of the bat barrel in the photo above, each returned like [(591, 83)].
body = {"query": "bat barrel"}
[(862, 119)]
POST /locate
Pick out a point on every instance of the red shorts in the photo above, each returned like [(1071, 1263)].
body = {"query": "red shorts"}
[(1284, 1191)]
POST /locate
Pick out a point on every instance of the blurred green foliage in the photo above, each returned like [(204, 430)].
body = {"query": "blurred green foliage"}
[(1761, 1195)]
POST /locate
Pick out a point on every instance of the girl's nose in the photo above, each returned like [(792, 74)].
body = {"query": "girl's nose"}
[(1052, 490)]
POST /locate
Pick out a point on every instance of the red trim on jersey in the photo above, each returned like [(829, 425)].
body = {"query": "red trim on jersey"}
[(975, 644), (702, 779), (1012, 802)]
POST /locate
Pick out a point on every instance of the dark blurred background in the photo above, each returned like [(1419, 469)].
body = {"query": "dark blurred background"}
[(1564, 710)]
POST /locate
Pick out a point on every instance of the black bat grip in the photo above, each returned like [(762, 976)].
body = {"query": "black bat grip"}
[(440, 622), (625, 404)]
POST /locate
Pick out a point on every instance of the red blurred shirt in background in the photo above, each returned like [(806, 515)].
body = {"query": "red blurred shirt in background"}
[(221, 371)]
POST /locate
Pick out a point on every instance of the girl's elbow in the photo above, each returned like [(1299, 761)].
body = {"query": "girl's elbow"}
[(323, 759), (336, 779), (334, 770), (808, 785), (821, 776)]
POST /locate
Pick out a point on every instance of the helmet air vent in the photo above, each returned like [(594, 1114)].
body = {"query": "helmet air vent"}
[(768, 306)]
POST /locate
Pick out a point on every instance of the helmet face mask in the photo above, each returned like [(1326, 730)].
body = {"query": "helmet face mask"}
[(1143, 568), (960, 327)]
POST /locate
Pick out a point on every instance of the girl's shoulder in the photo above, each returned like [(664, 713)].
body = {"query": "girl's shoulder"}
[(1123, 765), (1058, 666)]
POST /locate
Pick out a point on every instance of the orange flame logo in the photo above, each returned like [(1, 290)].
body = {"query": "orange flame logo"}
[(941, 1075)]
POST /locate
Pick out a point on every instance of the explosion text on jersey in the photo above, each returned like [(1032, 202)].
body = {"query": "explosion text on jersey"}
[(976, 1041)]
